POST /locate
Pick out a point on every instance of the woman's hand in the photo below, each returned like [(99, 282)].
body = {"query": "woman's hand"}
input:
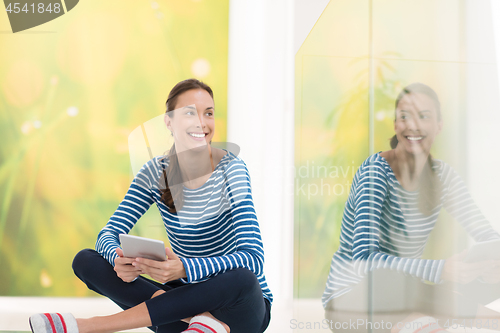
[(456, 270), (162, 271), (124, 268)]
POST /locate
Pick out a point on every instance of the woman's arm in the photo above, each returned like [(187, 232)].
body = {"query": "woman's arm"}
[(459, 203), (137, 201), (248, 249)]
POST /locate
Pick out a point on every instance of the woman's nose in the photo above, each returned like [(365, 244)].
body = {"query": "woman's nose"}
[(413, 123), (202, 122)]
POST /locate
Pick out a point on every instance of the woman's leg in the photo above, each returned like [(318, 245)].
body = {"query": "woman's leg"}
[(234, 298), (135, 317), (99, 276)]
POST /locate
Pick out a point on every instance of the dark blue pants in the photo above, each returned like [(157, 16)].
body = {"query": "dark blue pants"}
[(234, 297)]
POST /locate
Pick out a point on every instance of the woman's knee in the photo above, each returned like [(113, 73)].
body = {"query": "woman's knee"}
[(245, 280), (84, 261)]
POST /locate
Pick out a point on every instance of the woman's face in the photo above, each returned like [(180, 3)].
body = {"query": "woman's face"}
[(416, 123), (192, 121)]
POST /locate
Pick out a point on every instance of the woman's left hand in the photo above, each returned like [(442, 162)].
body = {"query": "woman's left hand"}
[(162, 271)]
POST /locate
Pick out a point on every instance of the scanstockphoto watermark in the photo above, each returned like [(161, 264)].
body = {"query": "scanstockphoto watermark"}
[(311, 179), (356, 324), (310, 169), (323, 187)]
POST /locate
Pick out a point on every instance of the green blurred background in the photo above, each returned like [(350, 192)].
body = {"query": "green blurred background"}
[(71, 91)]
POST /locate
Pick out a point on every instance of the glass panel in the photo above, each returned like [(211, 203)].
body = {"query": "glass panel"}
[(390, 263)]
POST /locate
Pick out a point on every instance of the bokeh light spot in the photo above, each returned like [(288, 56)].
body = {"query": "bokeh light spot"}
[(54, 80), (45, 279), (72, 111), (380, 115), (26, 127), (200, 67)]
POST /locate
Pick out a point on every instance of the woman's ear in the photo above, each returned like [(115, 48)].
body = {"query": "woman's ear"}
[(440, 126), (168, 122)]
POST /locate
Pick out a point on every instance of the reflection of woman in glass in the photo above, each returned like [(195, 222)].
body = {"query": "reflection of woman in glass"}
[(394, 203), (213, 277)]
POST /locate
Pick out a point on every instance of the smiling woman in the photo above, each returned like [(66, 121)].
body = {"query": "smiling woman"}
[(393, 205), (213, 276)]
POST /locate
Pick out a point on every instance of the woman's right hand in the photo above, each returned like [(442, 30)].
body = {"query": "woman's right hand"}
[(124, 268)]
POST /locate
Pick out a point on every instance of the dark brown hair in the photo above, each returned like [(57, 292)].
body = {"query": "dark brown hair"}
[(172, 196), (430, 193)]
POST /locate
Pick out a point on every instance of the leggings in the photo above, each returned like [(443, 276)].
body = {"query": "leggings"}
[(233, 297)]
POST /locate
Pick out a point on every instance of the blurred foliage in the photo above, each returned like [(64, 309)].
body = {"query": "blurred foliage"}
[(71, 91)]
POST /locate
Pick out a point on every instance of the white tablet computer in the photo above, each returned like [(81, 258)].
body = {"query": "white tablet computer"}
[(489, 250), (140, 247)]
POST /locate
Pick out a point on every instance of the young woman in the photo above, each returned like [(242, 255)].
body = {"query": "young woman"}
[(213, 277), (393, 205)]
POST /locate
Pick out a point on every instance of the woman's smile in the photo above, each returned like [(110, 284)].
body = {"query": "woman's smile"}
[(198, 136), (415, 139)]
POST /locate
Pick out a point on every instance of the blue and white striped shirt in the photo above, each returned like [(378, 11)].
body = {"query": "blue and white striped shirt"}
[(382, 226), (215, 231)]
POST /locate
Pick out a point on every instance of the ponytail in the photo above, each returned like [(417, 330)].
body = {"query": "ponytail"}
[(172, 196), (394, 141)]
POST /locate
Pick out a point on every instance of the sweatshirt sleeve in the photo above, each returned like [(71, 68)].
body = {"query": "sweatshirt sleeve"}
[(459, 203), (249, 252), (137, 201)]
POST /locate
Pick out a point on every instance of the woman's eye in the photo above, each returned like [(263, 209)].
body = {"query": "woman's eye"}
[(190, 113), (424, 116), (209, 114)]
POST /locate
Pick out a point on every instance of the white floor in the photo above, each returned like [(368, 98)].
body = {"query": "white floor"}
[(15, 311), (299, 316)]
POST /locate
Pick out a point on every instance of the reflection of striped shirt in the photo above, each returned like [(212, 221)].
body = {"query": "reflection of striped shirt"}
[(382, 226), (215, 231)]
